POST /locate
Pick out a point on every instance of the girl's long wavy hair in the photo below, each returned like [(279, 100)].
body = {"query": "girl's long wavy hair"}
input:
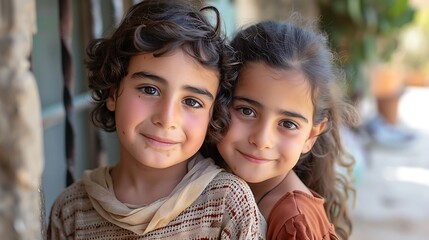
[(284, 45), (160, 27)]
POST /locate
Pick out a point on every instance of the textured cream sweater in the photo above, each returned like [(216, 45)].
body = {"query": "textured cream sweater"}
[(225, 210)]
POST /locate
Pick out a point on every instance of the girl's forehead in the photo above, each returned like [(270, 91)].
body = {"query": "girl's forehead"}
[(282, 76), (275, 88)]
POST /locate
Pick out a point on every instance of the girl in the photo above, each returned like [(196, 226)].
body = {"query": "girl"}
[(160, 81), (284, 133)]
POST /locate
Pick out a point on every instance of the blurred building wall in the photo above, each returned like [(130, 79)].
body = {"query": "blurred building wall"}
[(250, 11), (21, 155)]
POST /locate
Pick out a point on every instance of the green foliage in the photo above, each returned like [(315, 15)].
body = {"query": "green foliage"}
[(361, 31)]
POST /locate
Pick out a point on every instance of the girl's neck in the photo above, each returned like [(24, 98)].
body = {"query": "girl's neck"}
[(261, 189), (269, 192), (141, 185)]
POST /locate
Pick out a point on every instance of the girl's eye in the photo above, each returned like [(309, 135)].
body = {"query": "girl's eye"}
[(150, 90), (192, 103), (288, 125), (246, 111)]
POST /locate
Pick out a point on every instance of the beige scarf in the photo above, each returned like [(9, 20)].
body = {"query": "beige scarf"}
[(140, 220)]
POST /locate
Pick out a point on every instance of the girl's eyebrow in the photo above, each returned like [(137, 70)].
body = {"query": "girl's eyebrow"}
[(156, 78), (248, 100), (282, 112), (294, 115)]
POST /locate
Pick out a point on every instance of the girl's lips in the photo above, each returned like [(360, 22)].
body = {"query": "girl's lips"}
[(254, 159)]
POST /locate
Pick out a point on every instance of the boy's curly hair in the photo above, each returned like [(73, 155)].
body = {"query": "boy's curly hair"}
[(160, 27)]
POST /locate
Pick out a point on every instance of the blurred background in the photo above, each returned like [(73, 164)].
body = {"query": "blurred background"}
[(382, 46)]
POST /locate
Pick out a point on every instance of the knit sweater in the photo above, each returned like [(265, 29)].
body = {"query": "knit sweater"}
[(225, 210)]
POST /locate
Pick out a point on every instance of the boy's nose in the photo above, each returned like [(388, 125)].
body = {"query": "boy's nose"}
[(167, 115)]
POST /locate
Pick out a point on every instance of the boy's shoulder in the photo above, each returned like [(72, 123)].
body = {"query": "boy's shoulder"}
[(227, 177), (76, 194), (230, 184), (71, 197)]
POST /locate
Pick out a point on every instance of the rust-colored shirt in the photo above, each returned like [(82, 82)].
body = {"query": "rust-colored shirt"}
[(298, 215)]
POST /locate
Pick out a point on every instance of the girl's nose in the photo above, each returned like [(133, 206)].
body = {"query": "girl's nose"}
[(262, 136)]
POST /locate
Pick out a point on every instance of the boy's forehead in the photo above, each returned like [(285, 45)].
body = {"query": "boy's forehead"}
[(188, 59), (176, 67)]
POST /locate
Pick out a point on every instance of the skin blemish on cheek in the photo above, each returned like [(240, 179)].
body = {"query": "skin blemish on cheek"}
[(123, 132)]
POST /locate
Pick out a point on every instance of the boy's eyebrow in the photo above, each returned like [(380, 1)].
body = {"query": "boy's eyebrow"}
[(202, 91), (153, 77), (162, 80), (259, 105)]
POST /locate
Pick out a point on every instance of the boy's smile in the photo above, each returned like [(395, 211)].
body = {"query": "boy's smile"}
[(159, 142), (163, 108)]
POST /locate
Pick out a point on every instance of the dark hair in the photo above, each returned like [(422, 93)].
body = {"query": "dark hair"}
[(286, 46), (160, 27)]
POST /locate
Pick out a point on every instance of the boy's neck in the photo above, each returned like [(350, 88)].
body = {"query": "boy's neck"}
[(142, 186)]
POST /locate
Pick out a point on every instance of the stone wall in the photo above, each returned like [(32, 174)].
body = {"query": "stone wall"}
[(21, 152)]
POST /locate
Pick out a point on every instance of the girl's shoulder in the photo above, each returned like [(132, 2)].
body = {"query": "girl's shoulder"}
[(298, 203), (300, 214)]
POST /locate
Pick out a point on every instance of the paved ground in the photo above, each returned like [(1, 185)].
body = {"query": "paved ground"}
[(393, 190)]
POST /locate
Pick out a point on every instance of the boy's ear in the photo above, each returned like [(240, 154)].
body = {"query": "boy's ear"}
[(111, 101), (314, 133)]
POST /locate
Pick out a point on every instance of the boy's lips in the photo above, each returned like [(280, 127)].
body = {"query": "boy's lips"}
[(159, 140)]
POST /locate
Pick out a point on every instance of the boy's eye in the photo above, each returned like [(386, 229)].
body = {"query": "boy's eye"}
[(192, 103), (150, 90), (247, 111), (288, 125)]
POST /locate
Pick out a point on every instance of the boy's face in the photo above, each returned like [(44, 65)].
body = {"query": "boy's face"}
[(272, 123), (163, 109)]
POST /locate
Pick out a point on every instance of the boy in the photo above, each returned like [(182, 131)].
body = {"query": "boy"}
[(158, 82)]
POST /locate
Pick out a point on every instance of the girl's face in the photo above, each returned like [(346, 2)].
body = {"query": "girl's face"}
[(163, 109), (272, 123)]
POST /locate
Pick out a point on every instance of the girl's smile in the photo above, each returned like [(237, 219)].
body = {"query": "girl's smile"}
[(271, 123), (254, 158)]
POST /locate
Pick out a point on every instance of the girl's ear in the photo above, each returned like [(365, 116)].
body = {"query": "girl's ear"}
[(314, 133), (111, 101)]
